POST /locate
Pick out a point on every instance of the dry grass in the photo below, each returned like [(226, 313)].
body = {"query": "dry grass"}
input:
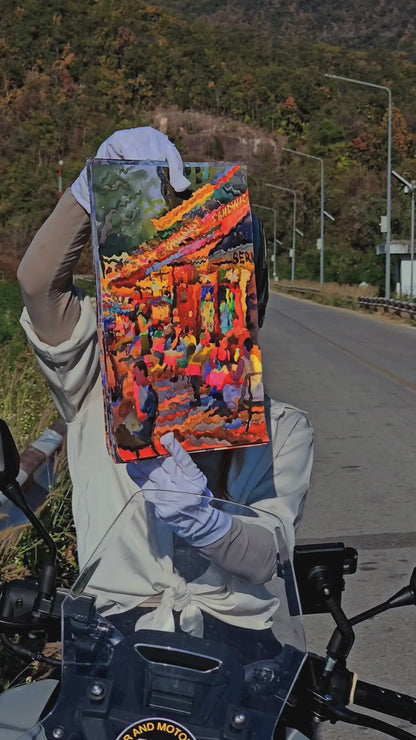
[(25, 401), (22, 554), (333, 290), (27, 407), (330, 294)]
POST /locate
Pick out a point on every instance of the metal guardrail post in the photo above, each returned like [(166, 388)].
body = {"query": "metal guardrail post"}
[(373, 304), (388, 304)]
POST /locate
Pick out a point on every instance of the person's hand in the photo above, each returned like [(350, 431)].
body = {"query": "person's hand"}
[(135, 143), (178, 490)]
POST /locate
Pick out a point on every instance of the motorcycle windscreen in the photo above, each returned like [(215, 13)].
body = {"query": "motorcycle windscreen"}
[(160, 639)]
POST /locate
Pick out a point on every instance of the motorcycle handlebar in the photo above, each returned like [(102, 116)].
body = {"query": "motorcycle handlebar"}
[(23, 608), (345, 690), (386, 701)]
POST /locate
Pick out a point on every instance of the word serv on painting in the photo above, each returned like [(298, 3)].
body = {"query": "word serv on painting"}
[(176, 304)]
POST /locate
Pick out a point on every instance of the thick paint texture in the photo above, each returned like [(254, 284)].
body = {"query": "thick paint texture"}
[(176, 300)]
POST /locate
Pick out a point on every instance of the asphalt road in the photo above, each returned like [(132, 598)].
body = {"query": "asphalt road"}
[(356, 376)]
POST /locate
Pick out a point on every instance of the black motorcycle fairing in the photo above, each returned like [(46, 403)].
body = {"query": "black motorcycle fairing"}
[(232, 682)]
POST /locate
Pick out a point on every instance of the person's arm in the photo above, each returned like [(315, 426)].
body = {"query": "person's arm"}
[(276, 479), (58, 320), (60, 327), (237, 373), (289, 475), (247, 551), (45, 272)]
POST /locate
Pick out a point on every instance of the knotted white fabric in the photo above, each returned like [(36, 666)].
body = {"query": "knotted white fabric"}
[(175, 598), (150, 554), (210, 594)]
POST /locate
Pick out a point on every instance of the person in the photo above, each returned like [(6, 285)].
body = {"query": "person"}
[(250, 371), (146, 408), (60, 324), (143, 325)]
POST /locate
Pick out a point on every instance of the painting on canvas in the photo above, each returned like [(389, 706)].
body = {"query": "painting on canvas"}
[(176, 303)]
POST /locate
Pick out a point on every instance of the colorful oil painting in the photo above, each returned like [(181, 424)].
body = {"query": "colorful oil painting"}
[(176, 303)]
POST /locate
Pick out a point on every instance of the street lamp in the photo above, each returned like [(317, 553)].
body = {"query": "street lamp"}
[(409, 187), (319, 159), (293, 192), (389, 172), (267, 208)]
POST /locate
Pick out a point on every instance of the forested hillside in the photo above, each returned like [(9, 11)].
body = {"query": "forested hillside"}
[(224, 84), (356, 24)]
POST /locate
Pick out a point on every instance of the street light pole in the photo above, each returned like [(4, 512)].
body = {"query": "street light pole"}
[(389, 172), (293, 192), (409, 187), (60, 164), (267, 208), (412, 240), (322, 219)]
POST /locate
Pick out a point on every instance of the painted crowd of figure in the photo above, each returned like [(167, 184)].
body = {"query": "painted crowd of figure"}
[(194, 335)]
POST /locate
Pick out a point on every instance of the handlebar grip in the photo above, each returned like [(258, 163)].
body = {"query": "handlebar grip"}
[(393, 703)]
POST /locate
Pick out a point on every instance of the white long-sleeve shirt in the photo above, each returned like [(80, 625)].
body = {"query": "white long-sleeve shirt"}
[(274, 476)]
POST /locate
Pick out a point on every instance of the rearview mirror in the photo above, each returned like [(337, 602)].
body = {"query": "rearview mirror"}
[(9, 457)]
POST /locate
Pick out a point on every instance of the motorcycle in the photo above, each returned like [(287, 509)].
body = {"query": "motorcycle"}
[(203, 655)]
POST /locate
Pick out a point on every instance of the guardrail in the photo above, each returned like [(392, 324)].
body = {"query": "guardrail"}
[(296, 288), (371, 304), (388, 304)]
